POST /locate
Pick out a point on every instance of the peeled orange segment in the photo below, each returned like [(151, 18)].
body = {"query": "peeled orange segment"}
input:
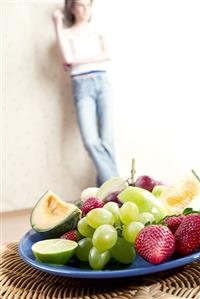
[(179, 195)]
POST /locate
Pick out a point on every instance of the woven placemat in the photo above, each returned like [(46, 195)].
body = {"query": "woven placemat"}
[(20, 281)]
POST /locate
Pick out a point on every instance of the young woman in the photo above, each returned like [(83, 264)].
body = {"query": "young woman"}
[(84, 53)]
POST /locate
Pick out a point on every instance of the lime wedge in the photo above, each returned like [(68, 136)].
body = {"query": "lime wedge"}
[(54, 251)]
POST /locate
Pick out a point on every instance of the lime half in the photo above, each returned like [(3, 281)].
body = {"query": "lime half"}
[(54, 251)]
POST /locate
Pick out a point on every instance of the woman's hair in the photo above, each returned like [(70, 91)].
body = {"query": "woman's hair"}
[(67, 11)]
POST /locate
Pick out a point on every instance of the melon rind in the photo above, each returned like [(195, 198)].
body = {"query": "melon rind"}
[(67, 222)]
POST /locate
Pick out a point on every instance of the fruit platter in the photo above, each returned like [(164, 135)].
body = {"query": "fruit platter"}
[(124, 228)]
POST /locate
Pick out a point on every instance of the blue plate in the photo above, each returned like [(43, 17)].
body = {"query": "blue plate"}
[(75, 269)]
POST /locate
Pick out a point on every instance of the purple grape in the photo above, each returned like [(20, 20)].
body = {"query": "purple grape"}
[(113, 197), (147, 182)]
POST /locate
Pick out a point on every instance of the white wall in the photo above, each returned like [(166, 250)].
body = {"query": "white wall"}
[(42, 148), (156, 86), (156, 73)]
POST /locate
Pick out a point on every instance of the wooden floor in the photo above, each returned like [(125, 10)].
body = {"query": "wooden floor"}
[(14, 225)]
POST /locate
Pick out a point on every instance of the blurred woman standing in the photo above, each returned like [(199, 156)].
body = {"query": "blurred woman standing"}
[(85, 55)]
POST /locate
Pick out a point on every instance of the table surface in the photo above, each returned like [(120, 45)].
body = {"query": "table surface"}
[(19, 280)]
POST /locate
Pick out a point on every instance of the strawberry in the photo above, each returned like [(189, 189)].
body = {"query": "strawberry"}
[(155, 243), (72, 235), (173, 222), (187, 236), (90, 204)]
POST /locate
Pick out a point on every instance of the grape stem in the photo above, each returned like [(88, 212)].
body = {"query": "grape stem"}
[(133, 172)]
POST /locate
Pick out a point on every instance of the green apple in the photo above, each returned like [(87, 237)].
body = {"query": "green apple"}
[(113, 185), (145, 201)]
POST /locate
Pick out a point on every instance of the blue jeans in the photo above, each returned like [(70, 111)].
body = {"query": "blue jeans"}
[(94, 114)]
